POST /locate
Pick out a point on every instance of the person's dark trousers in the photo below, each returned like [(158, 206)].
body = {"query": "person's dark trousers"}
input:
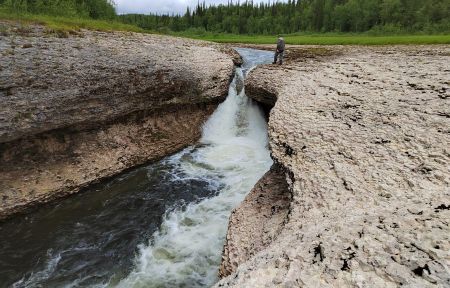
[(278, 54)]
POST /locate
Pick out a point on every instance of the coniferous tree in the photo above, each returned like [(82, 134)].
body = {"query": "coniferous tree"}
[(246, 17)]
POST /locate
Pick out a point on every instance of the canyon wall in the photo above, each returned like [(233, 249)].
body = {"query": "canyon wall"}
[(80, 106)]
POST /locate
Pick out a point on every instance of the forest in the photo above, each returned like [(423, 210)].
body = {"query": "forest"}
[(93, 9), (292, 16), (305, 15)]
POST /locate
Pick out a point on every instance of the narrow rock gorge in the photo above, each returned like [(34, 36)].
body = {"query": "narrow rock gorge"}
[(82, 106), (162, 224), (358, 195), (363, 134)]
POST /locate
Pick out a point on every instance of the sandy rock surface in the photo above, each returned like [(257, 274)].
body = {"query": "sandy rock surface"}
[(81, 106), (365, 135)]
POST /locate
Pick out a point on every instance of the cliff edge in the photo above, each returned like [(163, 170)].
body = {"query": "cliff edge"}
[(80, 106)]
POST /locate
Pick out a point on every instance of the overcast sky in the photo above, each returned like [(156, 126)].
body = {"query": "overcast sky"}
[(163, 6)]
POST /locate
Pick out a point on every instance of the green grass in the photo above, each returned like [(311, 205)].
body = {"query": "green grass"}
[(328, 39), (67, 24)]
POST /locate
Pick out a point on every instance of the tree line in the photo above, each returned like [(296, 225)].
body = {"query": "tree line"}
[(265, 18), (94, 9), (304, 15)]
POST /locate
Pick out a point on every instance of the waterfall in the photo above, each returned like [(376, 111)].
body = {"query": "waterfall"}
[(233, 154)]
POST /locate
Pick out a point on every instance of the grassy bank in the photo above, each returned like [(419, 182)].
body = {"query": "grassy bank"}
[(329, 39), (66, 23)]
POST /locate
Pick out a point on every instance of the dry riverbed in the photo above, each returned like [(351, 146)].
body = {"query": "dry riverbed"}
[(363, 134)]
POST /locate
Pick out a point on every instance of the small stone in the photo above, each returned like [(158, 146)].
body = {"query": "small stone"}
[(415, 211)]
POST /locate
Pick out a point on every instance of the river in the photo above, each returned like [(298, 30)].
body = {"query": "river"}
[(161, 225)]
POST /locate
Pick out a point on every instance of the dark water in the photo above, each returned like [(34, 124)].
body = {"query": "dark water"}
[(93, 236)]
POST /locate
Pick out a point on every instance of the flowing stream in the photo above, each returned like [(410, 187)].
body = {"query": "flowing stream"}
[(162, 225)]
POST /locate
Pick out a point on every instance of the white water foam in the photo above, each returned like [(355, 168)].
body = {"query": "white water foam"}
[(186, 251)]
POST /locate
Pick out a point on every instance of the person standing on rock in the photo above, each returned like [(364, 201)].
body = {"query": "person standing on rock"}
[(280, 51)]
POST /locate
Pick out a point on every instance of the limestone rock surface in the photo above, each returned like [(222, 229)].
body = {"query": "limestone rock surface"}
[(80, 106), (48, 82), (364, 133)]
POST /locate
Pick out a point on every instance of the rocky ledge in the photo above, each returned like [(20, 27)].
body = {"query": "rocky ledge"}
[(270, 200), (80, 106), (363, 134)]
